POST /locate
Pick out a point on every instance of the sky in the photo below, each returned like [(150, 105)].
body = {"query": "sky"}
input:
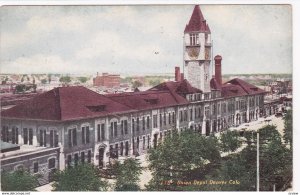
[(141, 40)]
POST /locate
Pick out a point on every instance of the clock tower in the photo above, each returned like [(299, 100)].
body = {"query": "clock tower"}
[(197, 51)]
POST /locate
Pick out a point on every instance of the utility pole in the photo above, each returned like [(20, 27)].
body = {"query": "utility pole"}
[(257, 162)]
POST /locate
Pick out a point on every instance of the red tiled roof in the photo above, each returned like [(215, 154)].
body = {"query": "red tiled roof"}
[(247, 87), (147, 99), (65, 103), (230, 90), (178, 89), (238, 87), (197, 22)]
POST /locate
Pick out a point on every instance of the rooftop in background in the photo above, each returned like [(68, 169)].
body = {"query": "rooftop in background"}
[(22, 150), (7, 147)]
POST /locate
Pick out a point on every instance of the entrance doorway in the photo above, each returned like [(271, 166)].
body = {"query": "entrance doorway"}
[(101, 157), (207, 132)]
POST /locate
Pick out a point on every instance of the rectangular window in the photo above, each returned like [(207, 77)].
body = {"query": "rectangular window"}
[(154, 121), (89, 156), (137, 124), (148, 122), (148, 142), (173, 117), (126, 148), (70, 137), (55, 138), (115, 129), (102, 132), (122, 127), (144, 142), (98, 132), (144, 124), (42, 137), (126, 127), (180, 116), (25, 132), (160, 120), (191, 114), (35, 167), (87, 136), (30, 136), (165, 119), (132, 124), (14, 135), (76, 158), (169, 118), (51, 138), (111, 129), (82, 157), (5, 134), (121, 149), (74, 137), (185, 115)]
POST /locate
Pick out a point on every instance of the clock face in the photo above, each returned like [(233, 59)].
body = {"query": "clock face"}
[(193, 52)]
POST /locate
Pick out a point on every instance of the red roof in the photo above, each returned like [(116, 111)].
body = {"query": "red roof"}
[(238, 87), (147, 99), (65, 103), (197, 22), (178, 89)]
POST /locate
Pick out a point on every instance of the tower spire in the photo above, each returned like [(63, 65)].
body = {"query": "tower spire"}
[(196, 22)]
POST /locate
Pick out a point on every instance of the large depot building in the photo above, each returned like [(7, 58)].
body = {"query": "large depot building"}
[(68, 125)]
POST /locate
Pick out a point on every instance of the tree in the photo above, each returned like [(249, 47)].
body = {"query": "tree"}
[(127, 175), (180, 157), (136, 84), (230, 141), (20, 180), (83, 79), (81, 177), (44, 81), (65, 79), (288, 128)]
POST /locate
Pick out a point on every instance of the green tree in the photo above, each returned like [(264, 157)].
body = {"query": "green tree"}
[(65, 79), (179, 157), (288, 128), (230, 141), (136, 84), (82, 177), (83, 79), (44, 81), (127, 175), (275, 159), (20, 180)]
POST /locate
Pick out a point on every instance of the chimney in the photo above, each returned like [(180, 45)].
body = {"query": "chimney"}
[(177, 73), (218, 69), (182, 77)]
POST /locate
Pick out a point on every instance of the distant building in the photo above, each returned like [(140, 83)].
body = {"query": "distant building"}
[(107, 80)]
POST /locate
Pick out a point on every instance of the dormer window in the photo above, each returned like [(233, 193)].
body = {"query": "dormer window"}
[(97, 108), (194, 39)]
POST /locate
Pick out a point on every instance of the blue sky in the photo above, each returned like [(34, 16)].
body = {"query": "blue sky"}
[(124, 39)]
